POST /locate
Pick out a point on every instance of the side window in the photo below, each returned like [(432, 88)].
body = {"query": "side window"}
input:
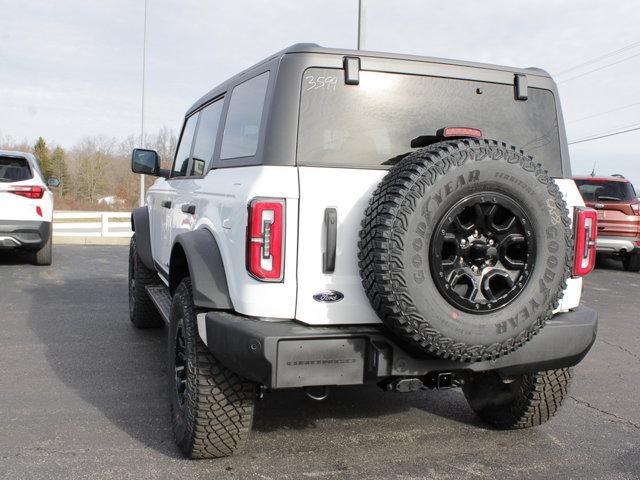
[(181, 163), (242, 126), (206, 138)]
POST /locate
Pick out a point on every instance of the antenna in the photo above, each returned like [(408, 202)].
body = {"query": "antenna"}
[(593, 170)]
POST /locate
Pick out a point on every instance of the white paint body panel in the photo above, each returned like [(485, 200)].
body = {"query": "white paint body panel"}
[(221, 199), (349, 190), (573, 292), (16, 207)]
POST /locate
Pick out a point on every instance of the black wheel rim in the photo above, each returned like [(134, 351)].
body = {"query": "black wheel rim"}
[(482, 252), (180, 365)]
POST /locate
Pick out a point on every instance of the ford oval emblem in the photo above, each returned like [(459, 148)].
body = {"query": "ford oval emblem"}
[(328, 296)]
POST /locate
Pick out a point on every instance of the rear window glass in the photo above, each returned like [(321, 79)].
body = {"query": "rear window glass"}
[(369, 124), (605, 191), (242, 127), (14, 169)]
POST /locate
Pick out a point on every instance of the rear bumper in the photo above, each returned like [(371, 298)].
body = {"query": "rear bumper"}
[(286, 354), (31, 235), (617, 245)]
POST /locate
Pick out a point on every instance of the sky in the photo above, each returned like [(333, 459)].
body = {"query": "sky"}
[(72, 68)]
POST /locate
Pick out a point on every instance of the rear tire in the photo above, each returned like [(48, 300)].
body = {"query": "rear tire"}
[(631, 262), (142, 311), (44, 255), (211, 406), (527, 401)]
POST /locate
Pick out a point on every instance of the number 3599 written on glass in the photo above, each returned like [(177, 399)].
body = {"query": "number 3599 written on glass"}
[(321, 82)]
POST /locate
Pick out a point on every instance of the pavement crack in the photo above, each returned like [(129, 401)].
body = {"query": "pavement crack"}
[(604, 412), (622, 349)]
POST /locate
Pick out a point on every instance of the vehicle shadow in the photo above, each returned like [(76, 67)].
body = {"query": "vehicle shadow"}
[(91, 346), (293, 410)]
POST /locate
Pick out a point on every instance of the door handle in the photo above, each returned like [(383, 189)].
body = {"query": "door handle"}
[(166, 203), (189, 208), (331, 233)]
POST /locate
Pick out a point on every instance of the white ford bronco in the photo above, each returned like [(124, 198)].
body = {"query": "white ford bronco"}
[(337, 217)]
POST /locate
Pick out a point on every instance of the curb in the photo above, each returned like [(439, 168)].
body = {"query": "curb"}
[(68, 240)]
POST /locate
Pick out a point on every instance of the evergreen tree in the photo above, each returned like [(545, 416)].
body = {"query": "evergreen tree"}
[(41, 151), (58, 166)]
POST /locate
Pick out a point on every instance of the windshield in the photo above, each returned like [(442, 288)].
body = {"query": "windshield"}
[(605, 191), (369, 124), (14, 169)]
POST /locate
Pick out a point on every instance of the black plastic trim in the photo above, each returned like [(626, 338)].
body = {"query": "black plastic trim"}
[(331, 234), (30, 234), (140, 225), (260, 351), (206, 269)]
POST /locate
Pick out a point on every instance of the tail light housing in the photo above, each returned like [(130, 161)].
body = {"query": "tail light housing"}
[(585, 220), (27, 191), (635, 207), (265, 239)]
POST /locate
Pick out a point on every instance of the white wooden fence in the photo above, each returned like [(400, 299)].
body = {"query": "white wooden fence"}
[(92, 224)]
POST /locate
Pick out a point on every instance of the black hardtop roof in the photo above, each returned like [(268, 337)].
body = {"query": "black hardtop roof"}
[(315, 48)]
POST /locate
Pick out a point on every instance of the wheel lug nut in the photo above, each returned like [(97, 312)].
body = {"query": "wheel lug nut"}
[(476, 234), (491, 243)]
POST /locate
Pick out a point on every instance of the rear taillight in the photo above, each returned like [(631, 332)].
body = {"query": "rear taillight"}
[(265, 239), (585, 235), (635, 207), (28, 191)]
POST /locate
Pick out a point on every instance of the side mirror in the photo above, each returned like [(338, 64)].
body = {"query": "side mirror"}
[(53, 182), (145, 161)]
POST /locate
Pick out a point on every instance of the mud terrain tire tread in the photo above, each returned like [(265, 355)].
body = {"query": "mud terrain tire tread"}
[(215, 420), (534, 399), (143, 313)]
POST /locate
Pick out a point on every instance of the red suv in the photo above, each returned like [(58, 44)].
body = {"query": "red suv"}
[(618, 217)]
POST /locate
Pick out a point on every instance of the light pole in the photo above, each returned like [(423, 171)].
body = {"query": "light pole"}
[(362, 12), (144, 81)]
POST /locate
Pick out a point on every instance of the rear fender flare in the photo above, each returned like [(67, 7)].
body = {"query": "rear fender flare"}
[(205, 267)]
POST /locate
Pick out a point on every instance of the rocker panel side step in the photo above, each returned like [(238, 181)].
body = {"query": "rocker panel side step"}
[(161, 298)]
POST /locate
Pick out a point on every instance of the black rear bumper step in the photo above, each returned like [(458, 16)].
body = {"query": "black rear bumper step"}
[(287, 354)]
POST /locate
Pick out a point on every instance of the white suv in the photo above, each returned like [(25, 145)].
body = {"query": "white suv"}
[(340, 217), (26, 206)]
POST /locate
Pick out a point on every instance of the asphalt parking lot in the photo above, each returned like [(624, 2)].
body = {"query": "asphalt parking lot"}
[(83, 395)]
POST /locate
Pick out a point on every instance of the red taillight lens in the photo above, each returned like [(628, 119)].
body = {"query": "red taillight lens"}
[(265, 242), (586, 231), (28, 191), (461, 132)]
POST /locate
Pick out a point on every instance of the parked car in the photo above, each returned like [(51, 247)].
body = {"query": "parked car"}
[(618, 209), (26, 206), (338, 217)]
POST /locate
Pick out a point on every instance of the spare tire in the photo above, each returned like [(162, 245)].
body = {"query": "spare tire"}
[(465, 249)]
